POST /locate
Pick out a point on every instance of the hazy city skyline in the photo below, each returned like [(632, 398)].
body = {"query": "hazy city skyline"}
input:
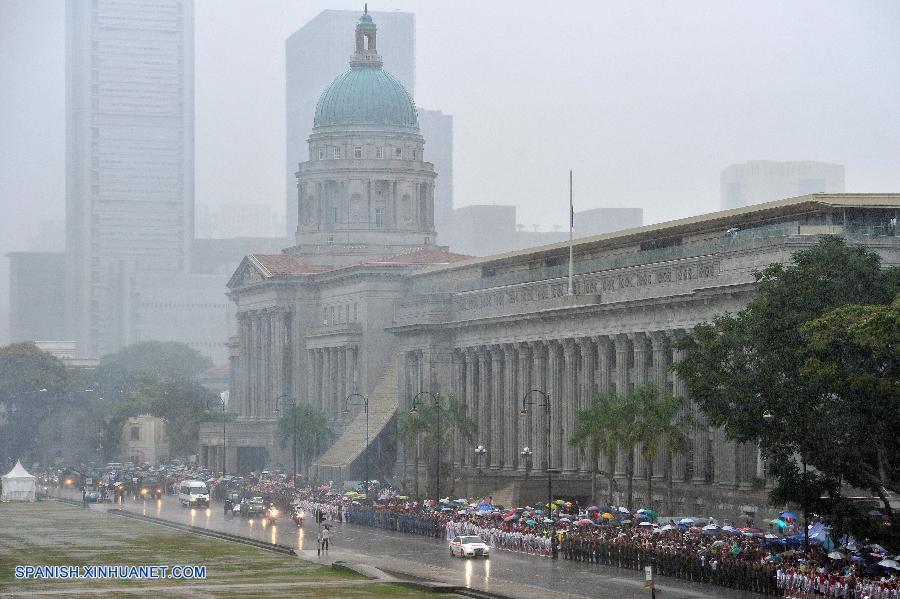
[(646, 103)]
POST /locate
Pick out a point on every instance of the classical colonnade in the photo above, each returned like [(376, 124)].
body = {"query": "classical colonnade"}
[(265, 349), (333, 375), (492, 379)]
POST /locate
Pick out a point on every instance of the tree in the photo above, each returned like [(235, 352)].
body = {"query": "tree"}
[(442, 421), (308, 428), (410, 426), (597, 434), (158, 379), (856, 359), (750, 372), (33, 384), (660, 423)]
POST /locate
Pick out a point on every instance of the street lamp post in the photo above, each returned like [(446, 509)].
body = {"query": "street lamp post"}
[(294, 427), (526, 402), (222, 405), (365, 401), (527, 454), (437, 406), (480, 452)]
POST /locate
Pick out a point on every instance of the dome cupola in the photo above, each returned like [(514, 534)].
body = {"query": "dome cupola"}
[(366, 94)]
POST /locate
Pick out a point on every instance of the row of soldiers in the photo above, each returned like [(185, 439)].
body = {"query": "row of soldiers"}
[(394, 521), (682, 563)]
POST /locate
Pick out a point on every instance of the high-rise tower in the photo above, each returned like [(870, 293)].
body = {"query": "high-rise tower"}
[(129, 157), (366, 189)]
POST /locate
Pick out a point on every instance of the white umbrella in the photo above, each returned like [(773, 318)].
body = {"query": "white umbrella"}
[(711, 527), (836, 555), (624, 510), (890, 563), (645, 524), (687, 521), (770, 536)]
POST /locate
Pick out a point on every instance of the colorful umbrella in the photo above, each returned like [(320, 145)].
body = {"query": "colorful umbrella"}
[(607, 516)]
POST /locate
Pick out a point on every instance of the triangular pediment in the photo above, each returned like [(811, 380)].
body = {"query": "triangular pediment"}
[(247, 273)]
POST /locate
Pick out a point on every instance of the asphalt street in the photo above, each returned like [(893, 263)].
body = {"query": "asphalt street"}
[(573, 578)]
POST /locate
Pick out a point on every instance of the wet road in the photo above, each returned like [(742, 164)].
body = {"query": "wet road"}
[(575, 578)]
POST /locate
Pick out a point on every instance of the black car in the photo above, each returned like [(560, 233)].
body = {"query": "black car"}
[(151, 488)]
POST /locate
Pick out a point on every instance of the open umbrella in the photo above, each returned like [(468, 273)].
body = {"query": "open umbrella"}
[(645, 523), (593, 508), (770, 536), (583, 522), (564, 520), (836, 555), (686, 521), (607, 516), (530, 522), (890, 563), (779, 523), (788, 516), (547, 521), (624, 510)]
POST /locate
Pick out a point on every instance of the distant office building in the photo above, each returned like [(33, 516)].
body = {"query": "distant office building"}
[(130, 156), (239, 220), (606, 220), (482, 230), (760, 181), (315, 55), (437, 129), (37, 292)]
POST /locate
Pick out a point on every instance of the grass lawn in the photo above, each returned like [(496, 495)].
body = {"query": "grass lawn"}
[(50, 534)]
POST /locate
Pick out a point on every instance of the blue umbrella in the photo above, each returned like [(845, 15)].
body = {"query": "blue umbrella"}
[(530, 522)]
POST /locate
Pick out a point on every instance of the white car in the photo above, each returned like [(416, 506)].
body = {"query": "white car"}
[(469, 546)]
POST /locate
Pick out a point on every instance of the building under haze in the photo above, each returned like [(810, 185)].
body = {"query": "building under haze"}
[(316, 54), (129, 158), (365, 305), (37, 290), (760, 181)]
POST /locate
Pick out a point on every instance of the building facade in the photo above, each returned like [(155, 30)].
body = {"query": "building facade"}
[(129, 156), (760, 181), (37, 290), (366, 304)]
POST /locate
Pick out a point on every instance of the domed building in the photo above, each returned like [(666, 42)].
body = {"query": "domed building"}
[(366, 188)]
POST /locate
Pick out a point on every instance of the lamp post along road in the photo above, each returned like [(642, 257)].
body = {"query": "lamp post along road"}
[(437, 406), (294, 427), (365, 401), (221, 403), (526, 401), (480, 452)]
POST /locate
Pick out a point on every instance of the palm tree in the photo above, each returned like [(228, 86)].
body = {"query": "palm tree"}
[(660, 424), (308, 427), (597, 434), (410, 426), (432, 428)]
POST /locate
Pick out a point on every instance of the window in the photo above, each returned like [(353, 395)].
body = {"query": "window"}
[(135, 433), (321, 153), (334, 214), (337, 153), (357, 152), (379, 153), (398, 152), (413, 154), (379, 218)]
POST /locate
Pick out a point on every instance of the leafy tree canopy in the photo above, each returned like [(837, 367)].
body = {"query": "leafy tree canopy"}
[(759, 374)]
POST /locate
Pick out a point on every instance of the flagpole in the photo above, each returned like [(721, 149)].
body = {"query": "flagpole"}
[(571, 238)]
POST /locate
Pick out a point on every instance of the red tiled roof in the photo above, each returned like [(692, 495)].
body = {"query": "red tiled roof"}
[(280, 265), (421, 257)]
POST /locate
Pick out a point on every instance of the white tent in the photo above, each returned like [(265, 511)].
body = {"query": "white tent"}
[(18, 485)]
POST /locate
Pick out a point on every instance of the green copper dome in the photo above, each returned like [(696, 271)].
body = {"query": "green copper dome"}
[(366, 95)]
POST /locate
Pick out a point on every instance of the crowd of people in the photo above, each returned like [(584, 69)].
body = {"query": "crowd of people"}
[(700, 551), (697, 550)]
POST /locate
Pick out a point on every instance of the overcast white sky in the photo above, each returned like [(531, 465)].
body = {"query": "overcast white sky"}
[(646, 101)]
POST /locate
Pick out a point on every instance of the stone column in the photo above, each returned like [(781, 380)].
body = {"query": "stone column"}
[(510, 409), (604, 382), (484, 400), (680, 461), (726, 458), (244, 365), (570, 391), (328, 383), (457, 390), (495, 451), (277, 359), (587, 390), (623, 348), (536, 413), (311, 378), (402, 451), (471, 399), (641, 353), (524, 420), (554, 363), (660, 378)]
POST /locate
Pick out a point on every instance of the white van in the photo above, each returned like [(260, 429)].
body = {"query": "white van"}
[(193, 493)]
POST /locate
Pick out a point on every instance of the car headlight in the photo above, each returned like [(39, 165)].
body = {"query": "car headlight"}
[(143, 491), (274, 512)]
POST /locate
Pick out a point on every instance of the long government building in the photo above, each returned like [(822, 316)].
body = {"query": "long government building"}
[(366, 303)]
